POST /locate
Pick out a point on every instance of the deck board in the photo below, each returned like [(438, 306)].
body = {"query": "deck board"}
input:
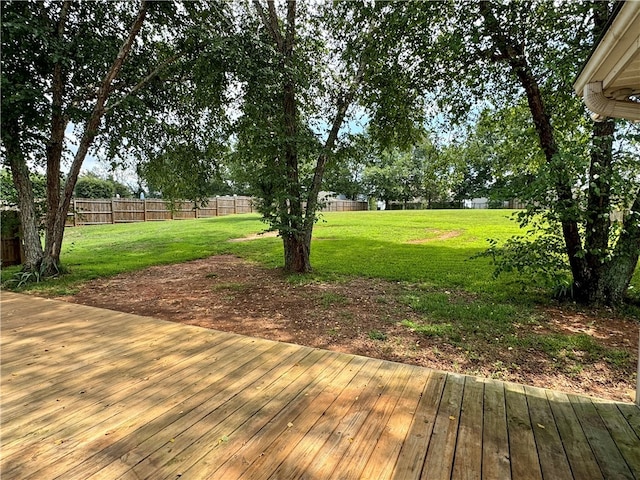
[(495, 438), (91, 393)]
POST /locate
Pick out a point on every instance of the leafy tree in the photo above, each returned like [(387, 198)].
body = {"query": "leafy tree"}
[(395, 176), (91, 185), (514, 53), (9, 193), (345, 175), (75, 66), (305, 70)]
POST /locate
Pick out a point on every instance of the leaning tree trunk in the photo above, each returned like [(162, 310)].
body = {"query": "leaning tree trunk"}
[(28, 216)]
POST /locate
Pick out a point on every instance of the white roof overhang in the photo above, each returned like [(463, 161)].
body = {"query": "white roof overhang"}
[(610, 81)]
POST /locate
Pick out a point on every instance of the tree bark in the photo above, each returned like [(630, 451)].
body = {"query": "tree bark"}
[(619, 271), (55, 143), (28, 216)]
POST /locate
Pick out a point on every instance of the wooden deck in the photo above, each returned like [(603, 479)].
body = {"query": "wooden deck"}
[(91, 393)]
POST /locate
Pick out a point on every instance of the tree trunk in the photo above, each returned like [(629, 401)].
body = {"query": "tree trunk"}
[(297, 251), (625, 257), (55, 146), (28, 216)]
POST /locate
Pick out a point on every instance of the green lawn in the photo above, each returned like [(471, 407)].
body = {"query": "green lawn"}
[(431, 248)]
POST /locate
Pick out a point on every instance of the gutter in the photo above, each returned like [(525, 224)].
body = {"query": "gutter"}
[(604, 107)]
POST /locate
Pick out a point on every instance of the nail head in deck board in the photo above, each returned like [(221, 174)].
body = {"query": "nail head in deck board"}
[(442, 446), (231, 426), (553, 460), (607, 454), (467, 463), (579, 454), (495, 440), (522, 445)]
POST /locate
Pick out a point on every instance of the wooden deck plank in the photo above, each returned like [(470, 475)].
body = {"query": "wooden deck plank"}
[(522, 445), (385, 453), (360, 444), (71, 388), (467, 463), (337, 371), (621, 433), (255, 416), (553, 460), (318, 434), (95, 419), (579, 454), (153, 412), (414, 449), (632, 414), (116, 419), (442, 446), (608, 456), (165, 401), (221, 420), (283, 440), (324, 460), (495, 438)]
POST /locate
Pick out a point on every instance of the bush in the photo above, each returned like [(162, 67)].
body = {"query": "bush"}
[(9, 223)]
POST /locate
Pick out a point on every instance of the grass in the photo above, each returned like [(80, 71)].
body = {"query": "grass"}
[(371, 244)]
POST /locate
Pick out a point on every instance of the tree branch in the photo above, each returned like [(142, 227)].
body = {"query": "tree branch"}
[(343, 105), (270, 22), (59, 122), (144, 81)]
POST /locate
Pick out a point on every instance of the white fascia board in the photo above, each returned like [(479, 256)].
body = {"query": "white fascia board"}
[(617, 44)]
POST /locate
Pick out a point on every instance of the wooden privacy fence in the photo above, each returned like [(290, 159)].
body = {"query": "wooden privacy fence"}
[(344, 206), (88, 211)]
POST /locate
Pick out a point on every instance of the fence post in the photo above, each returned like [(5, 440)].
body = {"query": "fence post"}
[(113, 212), (235, 204), (195, 210), (75, 213), (144, 210)]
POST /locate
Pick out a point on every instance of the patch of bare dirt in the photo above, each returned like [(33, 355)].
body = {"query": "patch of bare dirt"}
[(361, 316), (438, 235), (254, 237)]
